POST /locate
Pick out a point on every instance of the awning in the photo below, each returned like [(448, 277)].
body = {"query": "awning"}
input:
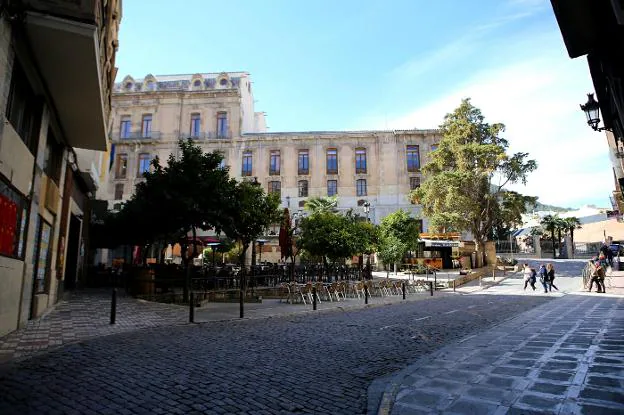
[(68, 57), (440, 243)]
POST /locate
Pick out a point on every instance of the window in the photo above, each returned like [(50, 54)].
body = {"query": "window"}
[(413, 158), (195, 125), (197, 84), (222, 125), (119, 187), (222, 162), (12, 221), (275, 187), (53, 158), (332, 187), (360, 186), (434, 147), (125, 126), (223, 82), (360, 161), (122, 166), (24, 109), (247, 163), (304, 162), (151, 86), (414, 183), (144, 163), (274, 165), (303, 188), (146, 126), (332, 161)]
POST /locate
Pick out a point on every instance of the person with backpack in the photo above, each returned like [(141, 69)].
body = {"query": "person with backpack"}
[(598, 273), (543, 276)]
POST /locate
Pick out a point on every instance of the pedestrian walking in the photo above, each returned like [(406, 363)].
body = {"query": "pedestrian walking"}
[(598, 273), (543, 276), (529, 276), (551, 277)]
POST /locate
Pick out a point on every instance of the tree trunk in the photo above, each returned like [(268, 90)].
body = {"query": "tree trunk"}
[(572, 240), (242, 280), (480, 251), (189, 262), (559, 241), (552, 238)]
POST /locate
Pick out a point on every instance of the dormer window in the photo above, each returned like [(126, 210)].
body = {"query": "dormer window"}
[(223, 82), (150, 86), (128, 86), (197, 83)]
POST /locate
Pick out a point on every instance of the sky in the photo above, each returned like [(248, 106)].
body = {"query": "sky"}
[(391, 64)]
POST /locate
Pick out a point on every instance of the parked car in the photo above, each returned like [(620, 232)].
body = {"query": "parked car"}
[(617, 249)]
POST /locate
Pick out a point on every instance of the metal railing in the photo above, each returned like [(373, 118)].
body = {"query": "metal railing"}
[(137, 135)]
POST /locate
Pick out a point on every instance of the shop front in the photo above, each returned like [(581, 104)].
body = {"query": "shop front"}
[(439, 250)]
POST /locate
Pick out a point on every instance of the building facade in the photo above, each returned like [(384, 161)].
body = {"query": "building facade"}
[(150, 115), (57, 72)]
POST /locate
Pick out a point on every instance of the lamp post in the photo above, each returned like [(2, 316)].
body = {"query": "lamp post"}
[(261, 243), (213, 247), (592, 111), (367, 211)]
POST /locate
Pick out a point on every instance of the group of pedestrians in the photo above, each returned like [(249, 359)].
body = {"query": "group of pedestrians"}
[(546, 275), (599, 266)]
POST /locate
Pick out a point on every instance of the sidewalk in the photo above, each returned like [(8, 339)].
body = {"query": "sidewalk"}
[(86, 314), (564, 357)]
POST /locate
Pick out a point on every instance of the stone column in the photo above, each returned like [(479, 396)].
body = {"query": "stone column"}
[(538, 247), (568, 244)]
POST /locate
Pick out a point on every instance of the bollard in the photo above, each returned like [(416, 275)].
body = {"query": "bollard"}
[(191, 307), (314, 298), (435, 280), (113, 314), (431, 287), (480, 281), (365, 294), (453, 285), (403, 289)]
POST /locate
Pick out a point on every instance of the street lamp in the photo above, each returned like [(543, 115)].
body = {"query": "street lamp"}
[(367, 210), (592, 111), (261, 242), (213, 246)]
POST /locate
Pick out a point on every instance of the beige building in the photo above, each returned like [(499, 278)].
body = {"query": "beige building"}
[(57, 70), (150, 114)]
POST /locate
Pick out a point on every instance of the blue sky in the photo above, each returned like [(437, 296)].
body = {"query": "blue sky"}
[(373, 64)]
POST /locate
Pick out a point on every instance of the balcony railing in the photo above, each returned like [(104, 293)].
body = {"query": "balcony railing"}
[(139, 135), (207, 136), (303, 172)]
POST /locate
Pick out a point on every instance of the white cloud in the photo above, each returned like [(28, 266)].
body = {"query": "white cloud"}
[(538, 101)]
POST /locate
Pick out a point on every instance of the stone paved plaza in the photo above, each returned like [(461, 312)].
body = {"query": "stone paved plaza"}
[(304, 363)]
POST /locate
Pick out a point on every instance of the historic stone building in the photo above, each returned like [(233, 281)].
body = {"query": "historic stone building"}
[(57, 70), (150, 115)]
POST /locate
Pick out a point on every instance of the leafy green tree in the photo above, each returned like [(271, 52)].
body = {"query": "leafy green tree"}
[(328, 236), (391, 250), (251, 211), (513, 206), (403, 226), (465, 177), (321, 204)]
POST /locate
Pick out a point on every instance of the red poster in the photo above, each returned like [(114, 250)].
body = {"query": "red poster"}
[(8, 225)]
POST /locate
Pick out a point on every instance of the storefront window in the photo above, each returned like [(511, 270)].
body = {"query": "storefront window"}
[(12, 221), (44, 241)]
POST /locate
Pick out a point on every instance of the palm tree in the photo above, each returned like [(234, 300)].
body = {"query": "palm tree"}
[(572, 223), (550, 224), (561, 226), (321, 204)]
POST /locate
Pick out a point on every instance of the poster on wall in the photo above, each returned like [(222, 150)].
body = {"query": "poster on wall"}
[(44, 252)]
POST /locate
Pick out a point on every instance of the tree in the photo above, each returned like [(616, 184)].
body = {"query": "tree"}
[(321, 204), (329, 236), (465, 177), (550, 224), (391, 250), (405, 227), (571, 224), (251, 211), (513, 206)]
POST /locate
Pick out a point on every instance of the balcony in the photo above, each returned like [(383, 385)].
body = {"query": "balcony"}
[(134, 136), (206, 136), (64, 38)]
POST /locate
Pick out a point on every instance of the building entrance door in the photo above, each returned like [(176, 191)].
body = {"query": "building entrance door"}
[(73, 245)]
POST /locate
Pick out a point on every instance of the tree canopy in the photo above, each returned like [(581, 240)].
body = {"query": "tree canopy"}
[(466, 175)]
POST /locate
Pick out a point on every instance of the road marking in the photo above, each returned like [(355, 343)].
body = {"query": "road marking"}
[(471, 306), (387, 327), (451, 312), (422, 318)]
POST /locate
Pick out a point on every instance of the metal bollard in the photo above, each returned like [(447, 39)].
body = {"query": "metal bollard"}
[(480, 281), (313, 298), (113, 314), (435, 280), (191, 307), (453, 285), (403, 289), (431, 287), (365, 294)]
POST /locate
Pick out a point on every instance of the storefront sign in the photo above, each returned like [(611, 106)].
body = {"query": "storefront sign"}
[(441, 244)]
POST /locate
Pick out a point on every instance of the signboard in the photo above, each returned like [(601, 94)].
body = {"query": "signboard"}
[(441, 243)]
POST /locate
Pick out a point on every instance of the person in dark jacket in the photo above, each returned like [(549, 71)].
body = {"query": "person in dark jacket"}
[(543, 276), (550, 270), (608, 253)]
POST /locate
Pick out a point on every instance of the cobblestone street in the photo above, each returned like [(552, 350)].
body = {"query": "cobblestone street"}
[(311, 363)]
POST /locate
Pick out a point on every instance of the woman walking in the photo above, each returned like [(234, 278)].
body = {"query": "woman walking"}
[(550, 271), (529, 276)]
